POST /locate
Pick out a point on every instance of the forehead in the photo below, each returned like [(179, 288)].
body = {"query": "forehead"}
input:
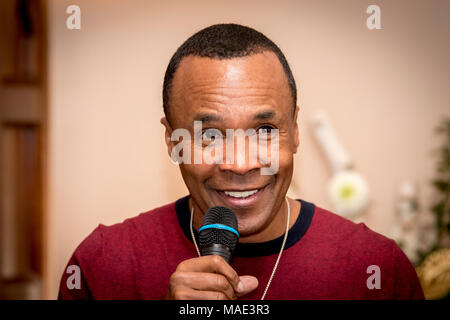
[(229, 86)]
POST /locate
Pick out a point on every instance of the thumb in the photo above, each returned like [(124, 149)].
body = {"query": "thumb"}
[(246, 285)]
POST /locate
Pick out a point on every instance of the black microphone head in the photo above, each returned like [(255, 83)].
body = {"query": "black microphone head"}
[(219, 228)]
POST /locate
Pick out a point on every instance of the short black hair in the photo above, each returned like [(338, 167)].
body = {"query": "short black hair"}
[(224, 41)]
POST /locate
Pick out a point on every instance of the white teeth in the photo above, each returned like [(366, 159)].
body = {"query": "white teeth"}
[(240, 194)]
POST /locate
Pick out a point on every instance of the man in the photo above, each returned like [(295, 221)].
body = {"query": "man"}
[(230, 77)]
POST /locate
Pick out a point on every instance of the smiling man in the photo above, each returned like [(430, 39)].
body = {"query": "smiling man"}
[(231, 78)]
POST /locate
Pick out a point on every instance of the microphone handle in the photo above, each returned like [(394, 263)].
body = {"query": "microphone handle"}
[(218, 249)]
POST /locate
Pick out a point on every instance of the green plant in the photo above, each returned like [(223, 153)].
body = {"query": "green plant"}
[(442, 185)]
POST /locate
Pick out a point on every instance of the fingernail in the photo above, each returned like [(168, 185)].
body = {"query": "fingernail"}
[(240, 286)]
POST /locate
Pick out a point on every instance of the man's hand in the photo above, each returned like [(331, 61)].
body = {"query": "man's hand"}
[(208, 278)]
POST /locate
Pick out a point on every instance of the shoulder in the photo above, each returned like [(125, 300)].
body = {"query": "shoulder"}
[(336, 228), (110, 256), (119, 240), (358, 248), (354, 245)]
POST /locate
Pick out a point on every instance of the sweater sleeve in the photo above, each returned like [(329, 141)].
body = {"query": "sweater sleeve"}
[(74, 284), (407, 284)]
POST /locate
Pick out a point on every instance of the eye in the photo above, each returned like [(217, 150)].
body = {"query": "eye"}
[(265, 129), (211, 134)]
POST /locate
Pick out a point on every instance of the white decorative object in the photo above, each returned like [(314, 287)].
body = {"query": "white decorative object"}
[(337, 156), (348, 190), (349, 193)]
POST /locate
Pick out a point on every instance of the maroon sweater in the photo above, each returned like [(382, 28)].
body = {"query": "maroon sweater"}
[(325, 257)]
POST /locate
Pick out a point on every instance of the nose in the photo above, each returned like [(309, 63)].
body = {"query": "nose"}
[(243, 159)]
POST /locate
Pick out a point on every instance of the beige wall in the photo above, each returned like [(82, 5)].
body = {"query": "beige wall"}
[(384, 91)]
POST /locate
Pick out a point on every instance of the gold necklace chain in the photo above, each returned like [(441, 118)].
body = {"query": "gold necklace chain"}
[(279, 255)]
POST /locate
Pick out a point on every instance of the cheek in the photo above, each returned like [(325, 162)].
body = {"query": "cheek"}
[(286, 159), (195, 174)]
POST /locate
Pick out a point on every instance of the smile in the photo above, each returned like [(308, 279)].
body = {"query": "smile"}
[(241, 194), (241, 198)]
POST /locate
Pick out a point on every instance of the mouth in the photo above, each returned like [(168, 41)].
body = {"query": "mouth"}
[(241, 198)]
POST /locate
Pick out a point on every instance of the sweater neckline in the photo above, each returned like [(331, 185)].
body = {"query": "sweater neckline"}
[(296, 232)]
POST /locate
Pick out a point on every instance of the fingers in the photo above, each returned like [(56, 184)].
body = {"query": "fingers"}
[(208, 277), (191, 294), (248, 283), (205, 282), (211, 264)]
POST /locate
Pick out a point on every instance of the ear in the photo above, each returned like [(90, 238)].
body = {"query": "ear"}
[(168, 134), (296, 133)]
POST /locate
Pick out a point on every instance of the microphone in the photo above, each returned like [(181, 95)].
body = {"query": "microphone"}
[(218, 234)]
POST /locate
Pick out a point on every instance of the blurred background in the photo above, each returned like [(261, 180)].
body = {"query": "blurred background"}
[(81, 143)]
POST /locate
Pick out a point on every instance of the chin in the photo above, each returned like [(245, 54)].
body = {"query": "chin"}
[(250, 225)]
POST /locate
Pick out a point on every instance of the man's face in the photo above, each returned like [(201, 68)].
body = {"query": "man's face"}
[(240, 93)]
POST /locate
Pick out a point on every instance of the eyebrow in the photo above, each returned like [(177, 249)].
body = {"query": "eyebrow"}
[(266, 115), (207, 117)]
